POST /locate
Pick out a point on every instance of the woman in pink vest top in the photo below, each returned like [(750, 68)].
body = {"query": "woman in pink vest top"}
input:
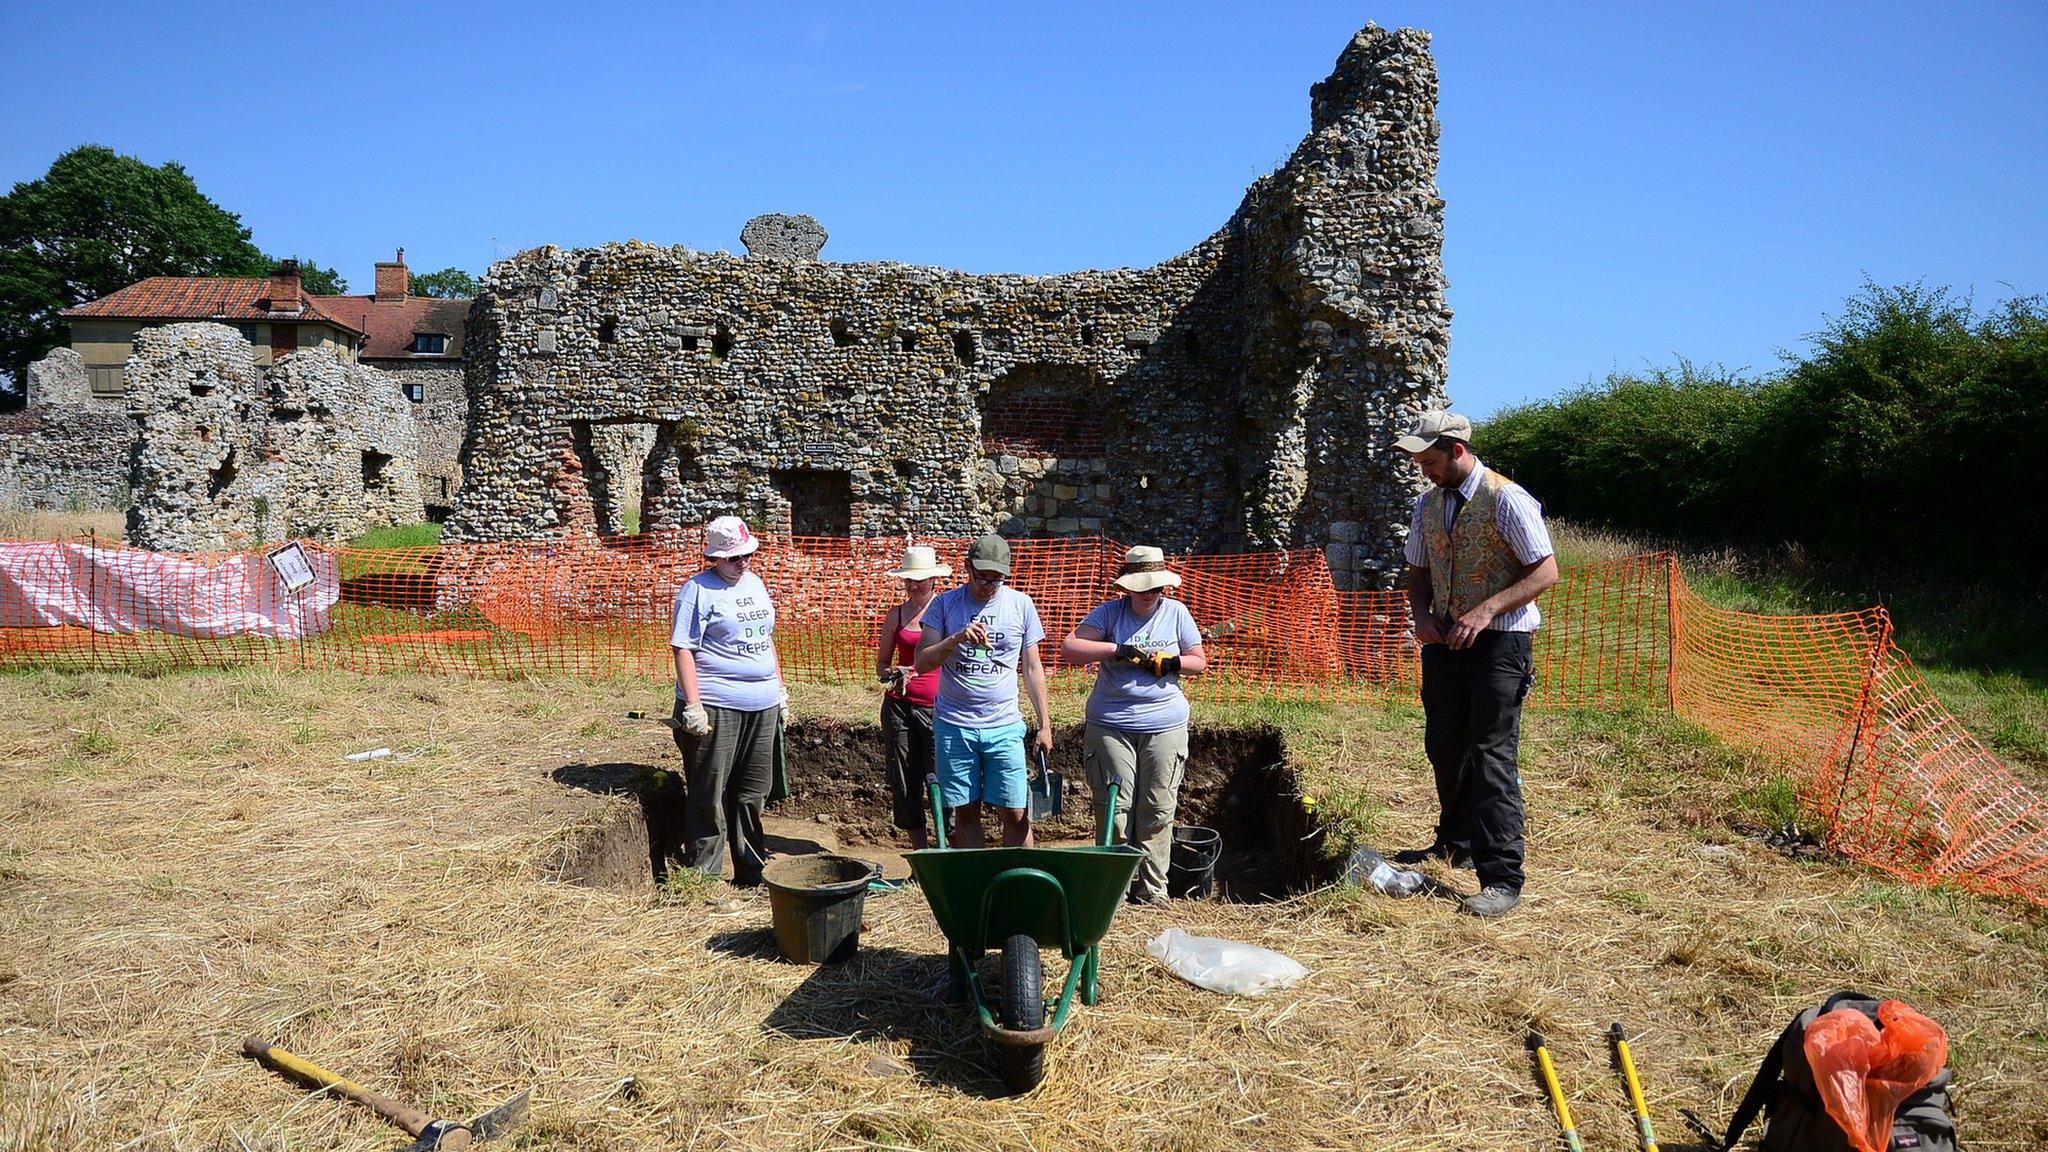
[(907, 701)]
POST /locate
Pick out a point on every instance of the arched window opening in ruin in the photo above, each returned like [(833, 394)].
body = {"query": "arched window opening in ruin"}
[(608, 330), (376, 470), (1087, 335), (1045, 411), (841, 335), (218, 479), (963, 346), (721, 343), (613, 457), (909, 338), (820, 500)]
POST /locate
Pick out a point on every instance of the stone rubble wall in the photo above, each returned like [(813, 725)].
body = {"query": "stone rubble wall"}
[(230, 456), (65, 450), (440, 416), (1242, 395)]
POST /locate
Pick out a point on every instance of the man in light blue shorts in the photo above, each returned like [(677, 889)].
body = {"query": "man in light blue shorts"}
[(980, 636)]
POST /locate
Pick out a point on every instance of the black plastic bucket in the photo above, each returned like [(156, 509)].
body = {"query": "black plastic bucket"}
[(1191, 870), (815, 902)]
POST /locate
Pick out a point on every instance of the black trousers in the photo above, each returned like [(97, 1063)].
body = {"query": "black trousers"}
[(1472, 709), (907, 749), (727, 776)]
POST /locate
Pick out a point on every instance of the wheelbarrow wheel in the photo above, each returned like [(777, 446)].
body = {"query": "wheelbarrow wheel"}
[(1022, 1065)]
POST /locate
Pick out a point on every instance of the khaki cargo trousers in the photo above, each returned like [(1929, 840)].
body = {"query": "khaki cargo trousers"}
[(1147, 768)]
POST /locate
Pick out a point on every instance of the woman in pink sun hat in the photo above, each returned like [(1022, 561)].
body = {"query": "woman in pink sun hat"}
[(730, 704)]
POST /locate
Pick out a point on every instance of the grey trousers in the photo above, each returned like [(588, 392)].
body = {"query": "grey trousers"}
[(726, 779), (1147, 768)]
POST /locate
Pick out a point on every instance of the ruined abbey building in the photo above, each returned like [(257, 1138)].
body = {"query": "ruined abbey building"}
[(1239, 396)]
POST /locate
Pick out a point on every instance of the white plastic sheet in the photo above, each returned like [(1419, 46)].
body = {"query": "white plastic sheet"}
[(46, 584), (1225, 966)]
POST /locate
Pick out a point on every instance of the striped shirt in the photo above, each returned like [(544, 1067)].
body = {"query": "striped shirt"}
[(1520, 520)]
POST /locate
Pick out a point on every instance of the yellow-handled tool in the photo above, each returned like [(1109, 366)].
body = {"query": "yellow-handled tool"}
[(1646, 1133), (1564, 1110), (430, 1134)]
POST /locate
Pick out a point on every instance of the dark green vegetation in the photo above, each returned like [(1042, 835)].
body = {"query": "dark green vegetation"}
[(1900, 439), (448, 283), (1882, 468), (98, 221)]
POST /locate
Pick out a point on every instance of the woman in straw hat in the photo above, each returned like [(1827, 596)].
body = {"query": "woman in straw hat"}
[(730, 705), (1137, 714), (907, 702)]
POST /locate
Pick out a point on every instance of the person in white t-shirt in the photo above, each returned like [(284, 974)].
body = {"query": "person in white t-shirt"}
[(1137, 713), (730, 704)]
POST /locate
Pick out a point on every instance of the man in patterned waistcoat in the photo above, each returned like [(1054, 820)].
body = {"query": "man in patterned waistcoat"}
[(1478, 557)]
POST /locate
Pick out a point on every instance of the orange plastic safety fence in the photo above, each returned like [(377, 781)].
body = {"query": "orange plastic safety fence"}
[(1892, 776)]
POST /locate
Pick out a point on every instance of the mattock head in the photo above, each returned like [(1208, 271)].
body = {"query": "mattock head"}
[(443, 1136)]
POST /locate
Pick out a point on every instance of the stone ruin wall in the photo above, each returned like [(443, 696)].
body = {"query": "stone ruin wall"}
[(231, 456), (64, 451), (440, 416), (1242, 395)]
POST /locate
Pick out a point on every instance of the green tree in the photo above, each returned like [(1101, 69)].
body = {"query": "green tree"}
[(317, 280), (95, 222), (448, 283)]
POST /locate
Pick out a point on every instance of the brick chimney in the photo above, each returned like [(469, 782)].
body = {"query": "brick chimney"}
[(393, 281), (284, 287)]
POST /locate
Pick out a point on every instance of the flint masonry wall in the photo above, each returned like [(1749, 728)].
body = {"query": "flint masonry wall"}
[(65, 450), (231, 456), (1238, 396)]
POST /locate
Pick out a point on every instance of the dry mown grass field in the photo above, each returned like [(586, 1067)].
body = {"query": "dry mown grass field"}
[(187, 859)]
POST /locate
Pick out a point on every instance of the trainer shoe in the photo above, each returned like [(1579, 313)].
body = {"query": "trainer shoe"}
[(1456, 857), (1493, 902)]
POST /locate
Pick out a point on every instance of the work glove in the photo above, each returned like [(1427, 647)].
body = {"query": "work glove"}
[(1160, 664), (782, 707), (897, 680), (694, 721), (1130, 654)]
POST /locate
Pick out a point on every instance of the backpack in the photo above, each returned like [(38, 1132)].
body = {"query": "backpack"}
[(1795, 1119)]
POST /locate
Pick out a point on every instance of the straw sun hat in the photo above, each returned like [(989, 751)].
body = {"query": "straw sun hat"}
[(1145, 570), (921, 563)]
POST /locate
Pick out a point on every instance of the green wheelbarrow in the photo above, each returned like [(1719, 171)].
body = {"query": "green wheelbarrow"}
[(1019, 900)]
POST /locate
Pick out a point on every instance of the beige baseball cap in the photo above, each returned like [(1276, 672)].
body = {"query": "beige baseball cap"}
[(1431, 425)]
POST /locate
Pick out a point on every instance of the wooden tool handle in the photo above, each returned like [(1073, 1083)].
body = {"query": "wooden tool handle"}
[(409, 1118)]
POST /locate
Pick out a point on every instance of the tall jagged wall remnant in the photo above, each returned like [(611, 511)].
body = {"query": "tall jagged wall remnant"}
[(231, 456), (1241, 395), (65, 450)]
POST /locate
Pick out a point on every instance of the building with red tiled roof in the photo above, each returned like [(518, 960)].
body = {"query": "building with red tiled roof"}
[(273, 314), (416, 339)]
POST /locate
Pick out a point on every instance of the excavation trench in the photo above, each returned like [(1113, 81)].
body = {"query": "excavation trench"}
[(1238, 782)]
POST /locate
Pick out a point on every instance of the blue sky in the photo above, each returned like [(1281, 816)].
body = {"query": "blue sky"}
[(1627, 184)]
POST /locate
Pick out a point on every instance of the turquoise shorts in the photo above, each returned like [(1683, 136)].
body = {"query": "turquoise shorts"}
[(985, 764)]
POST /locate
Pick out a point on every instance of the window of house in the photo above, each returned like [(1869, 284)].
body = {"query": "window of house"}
[(429, 343), (414, 390), (106, 381)]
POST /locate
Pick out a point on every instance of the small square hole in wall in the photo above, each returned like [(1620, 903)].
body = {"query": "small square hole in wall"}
[(908, 338), (608, 330), (689, 343), (841, 335), (721, 343), (1087, 334), (963, 346)]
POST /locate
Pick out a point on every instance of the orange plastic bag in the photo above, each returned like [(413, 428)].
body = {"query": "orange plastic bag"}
[(1863, 1072)]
